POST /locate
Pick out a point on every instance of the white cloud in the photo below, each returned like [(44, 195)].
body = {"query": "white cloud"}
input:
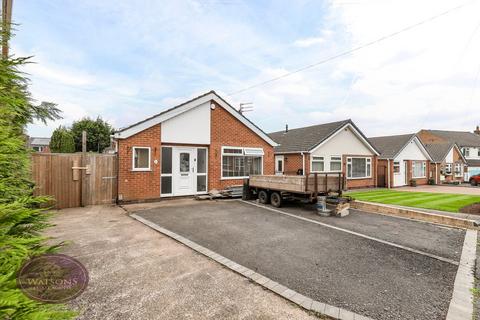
[(308, 42)]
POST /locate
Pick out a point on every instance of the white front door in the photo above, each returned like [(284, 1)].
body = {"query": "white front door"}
[(183, 171), (279, 165)]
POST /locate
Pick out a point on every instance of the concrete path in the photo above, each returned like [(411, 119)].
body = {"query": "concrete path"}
[(137, 273)]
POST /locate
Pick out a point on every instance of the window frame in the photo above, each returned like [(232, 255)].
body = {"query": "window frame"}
[(368, 162), (466, 152), (149, 159), (312, 160), (448, 169), (424, 169), (205, 174), (330, 163), (396, 164), (459, 173), (166, 175), (222, 154)]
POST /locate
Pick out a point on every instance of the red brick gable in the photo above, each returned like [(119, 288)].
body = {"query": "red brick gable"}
[(226, 130)]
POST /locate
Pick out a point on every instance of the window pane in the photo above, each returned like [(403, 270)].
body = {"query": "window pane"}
[(166, 160), (255, 165), (232, 150), (317, 166), (166, 185), (359, 167), (141, 158), (335, 164), (184, 162), (201, 160), (201, 183)]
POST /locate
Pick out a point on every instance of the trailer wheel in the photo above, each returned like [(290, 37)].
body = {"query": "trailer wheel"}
[(263, 197), (276, 199)]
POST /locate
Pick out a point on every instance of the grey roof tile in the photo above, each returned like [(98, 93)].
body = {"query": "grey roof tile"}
[(461, 138), (390, 146), (438, 151), (307, 138)]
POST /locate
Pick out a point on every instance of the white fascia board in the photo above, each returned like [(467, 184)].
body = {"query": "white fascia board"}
[(192, 104), (355, 131)]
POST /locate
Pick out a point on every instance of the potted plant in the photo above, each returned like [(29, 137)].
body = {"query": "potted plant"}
[(413, 183), (431, 181)]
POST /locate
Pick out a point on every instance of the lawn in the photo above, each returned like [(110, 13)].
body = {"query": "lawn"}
[(434, 201)]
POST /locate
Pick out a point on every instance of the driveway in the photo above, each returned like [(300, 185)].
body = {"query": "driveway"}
[(356, 271), (137, 273), (475, 191)]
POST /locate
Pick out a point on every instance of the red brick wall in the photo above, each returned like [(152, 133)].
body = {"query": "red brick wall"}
[(139, 185), (293, 162), (226, 130)]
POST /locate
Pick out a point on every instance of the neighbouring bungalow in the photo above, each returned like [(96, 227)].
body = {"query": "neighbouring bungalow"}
[(197, 146), (337, 147), (39, 144), (448, 163), (468, 142), (403, 159)]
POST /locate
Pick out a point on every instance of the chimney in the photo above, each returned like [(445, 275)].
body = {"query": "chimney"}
[(286, 128), (477, 131)]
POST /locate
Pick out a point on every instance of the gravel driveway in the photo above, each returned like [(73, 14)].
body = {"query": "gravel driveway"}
[(342, 269)]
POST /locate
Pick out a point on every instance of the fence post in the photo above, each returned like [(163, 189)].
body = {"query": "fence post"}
[(84, 184)]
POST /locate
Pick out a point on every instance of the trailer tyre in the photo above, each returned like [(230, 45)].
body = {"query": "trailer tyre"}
[(263, 197), (276, 199)]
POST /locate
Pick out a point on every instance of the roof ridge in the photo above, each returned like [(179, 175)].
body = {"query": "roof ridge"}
[(313, 125)]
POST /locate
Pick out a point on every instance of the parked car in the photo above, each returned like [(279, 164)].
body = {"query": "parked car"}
[(475, 180)]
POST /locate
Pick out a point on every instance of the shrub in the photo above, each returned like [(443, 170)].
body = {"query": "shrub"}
[(413, 183), (431, 181), (21, 219), (98, 134), (62, 141)]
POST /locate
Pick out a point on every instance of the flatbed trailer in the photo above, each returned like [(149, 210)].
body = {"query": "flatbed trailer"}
[(275, 189)]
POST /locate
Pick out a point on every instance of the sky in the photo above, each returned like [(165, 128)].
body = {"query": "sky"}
[(127, 60)]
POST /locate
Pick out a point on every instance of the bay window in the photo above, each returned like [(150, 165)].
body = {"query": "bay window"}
[(359, 167), (240, 163), (419, 169)]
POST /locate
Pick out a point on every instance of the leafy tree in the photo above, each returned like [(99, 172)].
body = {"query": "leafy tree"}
[(98, 134), (62, 141), (21, 218)]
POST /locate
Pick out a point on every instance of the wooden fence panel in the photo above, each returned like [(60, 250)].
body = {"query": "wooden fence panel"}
[(53, 175)]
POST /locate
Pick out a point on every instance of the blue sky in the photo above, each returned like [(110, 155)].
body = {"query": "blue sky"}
[(126, 60)]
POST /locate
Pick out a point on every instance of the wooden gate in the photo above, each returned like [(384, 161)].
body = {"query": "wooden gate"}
[(381, 176), (75, 180)]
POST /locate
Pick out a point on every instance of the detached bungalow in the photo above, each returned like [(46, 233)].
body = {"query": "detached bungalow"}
[(327, 148), (197, 146), (403, 158), (448, 163)]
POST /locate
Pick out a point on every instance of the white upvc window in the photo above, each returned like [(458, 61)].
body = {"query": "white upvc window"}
[(396, 167), (448, 168), (458, 170), (419, 169), (359, 167), (335, 163), (318, 164), (466, 152), (141, 158), (239, 163)]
